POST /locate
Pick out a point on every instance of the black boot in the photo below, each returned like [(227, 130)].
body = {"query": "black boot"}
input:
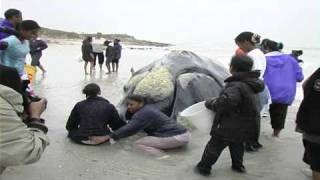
[(257, 145), (203, 171), (249, 147), (239, 169)]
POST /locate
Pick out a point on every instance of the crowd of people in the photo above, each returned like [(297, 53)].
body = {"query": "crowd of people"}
[(93, 51), (260, 73)]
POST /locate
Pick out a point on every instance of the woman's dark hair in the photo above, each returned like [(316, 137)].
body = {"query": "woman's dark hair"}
[(11, 12), (106, 43), (241, 63), (137, 98), (91, 89), (10, 77), (248, 36), (87, 39), (28, 25), (268, 44)]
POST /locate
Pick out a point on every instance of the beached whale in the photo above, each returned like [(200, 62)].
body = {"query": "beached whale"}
[(175, 82)]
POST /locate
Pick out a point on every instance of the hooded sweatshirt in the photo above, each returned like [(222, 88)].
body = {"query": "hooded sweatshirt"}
[(5, 24), (236, 108), (281, 76)]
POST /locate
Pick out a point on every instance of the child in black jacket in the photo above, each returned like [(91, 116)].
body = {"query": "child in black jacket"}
[(236, 115)]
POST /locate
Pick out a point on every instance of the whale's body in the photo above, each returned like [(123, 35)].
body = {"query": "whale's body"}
[(175, 82)]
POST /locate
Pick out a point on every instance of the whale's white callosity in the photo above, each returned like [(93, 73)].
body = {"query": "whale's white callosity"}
[(156, 85), (176, 81)]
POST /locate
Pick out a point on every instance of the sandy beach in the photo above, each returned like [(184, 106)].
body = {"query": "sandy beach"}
[(65, 160)]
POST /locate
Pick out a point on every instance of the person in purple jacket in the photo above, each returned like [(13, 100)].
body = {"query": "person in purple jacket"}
[(12, 18), (281, 76)]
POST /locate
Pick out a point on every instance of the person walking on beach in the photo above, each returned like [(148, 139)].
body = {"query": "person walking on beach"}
[(281, 76), (87, 54), (109, 55), (36, 48), (117, 55), (89, 119), (247, 42), (12, 18), (236, 115), (308, 122)]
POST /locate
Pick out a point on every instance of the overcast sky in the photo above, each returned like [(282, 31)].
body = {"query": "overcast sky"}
[(294, 22)]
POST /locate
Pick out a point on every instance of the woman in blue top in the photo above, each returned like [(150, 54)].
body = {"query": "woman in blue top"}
[(162, 131), (281, 76), (15, 53)]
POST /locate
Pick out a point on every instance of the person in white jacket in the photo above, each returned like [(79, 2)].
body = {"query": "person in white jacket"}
[(21, 142)]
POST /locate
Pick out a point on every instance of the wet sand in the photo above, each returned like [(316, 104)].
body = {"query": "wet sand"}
[(64, 160)]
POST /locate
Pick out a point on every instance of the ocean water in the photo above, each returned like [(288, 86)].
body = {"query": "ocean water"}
[(224, 52)]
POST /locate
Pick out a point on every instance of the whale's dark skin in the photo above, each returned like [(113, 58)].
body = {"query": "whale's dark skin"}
[(193, 79)]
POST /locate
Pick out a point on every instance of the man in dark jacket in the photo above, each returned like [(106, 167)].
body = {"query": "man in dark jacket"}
[(162, 131), (117, 55), (36, 48), (109, 55), (89, 120), (308, 122), (87, 54), (236, 115)]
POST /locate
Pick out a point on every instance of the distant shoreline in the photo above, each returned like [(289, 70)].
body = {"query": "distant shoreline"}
[(54, 35)]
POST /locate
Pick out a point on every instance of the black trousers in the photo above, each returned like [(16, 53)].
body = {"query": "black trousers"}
[(312, 155), (100, 58), (278, 114), (215, 147)]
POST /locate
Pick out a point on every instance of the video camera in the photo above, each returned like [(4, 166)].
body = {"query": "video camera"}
[(296, 54)]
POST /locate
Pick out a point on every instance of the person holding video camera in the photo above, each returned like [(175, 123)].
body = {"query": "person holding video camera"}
[(22, 130), (281, 76)]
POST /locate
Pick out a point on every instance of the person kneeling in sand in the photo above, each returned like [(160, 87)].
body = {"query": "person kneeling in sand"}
[(163, 132), (89, 119)]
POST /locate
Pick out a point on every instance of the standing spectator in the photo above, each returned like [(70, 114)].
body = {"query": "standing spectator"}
[(308, 122), (281, 76), (36, 48), (89, 119), (117, 55), (247, 42), (22, 141), (12, 18), (15, 53), (236, 115), (109, 55), (98, 49), (87, 54)]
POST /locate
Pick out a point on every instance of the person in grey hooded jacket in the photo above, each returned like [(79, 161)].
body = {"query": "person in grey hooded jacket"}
[(22, 141)]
